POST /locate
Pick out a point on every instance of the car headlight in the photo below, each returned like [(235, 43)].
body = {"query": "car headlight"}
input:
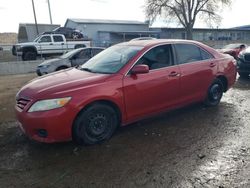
[(49, 104)]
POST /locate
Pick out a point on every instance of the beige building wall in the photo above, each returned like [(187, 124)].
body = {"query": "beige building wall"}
[(8, 38)]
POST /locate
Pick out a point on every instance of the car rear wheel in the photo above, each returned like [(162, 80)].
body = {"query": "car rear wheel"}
[(214, 93), (95, 124)]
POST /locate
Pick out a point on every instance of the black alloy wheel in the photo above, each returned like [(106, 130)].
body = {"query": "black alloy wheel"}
[(214, 93), (95, 124)]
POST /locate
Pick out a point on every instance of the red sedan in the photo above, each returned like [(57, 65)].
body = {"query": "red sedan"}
[(123, 84)]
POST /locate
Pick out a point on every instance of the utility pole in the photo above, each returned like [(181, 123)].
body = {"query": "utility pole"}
[(49, 12), (35, 17)]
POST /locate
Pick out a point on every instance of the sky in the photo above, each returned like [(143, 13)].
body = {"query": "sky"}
[(13, 12)]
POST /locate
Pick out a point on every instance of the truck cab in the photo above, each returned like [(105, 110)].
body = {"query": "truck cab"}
[(47, 45)]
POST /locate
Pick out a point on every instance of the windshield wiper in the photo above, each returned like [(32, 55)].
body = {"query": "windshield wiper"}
[(87, 69)]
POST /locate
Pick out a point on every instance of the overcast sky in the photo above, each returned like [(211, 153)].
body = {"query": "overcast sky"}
[(13, 12)]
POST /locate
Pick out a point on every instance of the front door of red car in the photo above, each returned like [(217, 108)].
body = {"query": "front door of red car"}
[(198, 69), (156, 90)]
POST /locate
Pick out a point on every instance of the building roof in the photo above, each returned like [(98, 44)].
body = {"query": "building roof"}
[(100, 21), (39, 24), (243, 27), (131, 32), (197, 29)]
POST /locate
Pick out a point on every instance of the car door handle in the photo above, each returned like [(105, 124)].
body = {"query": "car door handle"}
[(212, 65), (62, 43), (50, 43), (173, 74)]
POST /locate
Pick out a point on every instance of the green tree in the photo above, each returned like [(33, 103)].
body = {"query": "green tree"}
[(186, 12)]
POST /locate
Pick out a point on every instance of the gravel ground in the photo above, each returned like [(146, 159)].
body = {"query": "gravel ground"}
[(190, 147)]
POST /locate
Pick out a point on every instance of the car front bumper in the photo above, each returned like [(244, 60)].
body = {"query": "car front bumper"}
[(47, 126)]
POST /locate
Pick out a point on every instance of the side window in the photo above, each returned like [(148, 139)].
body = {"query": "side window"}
[(83, 54), (45, 39), (58, 38), (158, 57), (187, 53), (206, 55), (96, 51)]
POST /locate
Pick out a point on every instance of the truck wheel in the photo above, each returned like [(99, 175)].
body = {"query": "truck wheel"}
[(95, 124), (75, 36), (214, 93), (29, 56)]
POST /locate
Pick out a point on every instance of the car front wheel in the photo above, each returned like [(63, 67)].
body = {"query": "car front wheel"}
[(214, 93), (95, 124)]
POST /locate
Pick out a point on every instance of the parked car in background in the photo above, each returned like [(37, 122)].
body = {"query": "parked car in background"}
[(243, 63), (122, 84), (68, 32), (1, 48), (233, 49), (71, 59), (47, 45)]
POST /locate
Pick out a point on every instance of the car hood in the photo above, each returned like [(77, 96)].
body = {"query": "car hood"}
[(25, 44), (58, 84)]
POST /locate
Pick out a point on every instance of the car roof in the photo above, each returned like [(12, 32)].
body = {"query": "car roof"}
[(153, 42)]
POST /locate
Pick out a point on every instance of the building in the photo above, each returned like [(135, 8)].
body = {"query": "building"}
[(27, 32), (213, 37), (108, 32)]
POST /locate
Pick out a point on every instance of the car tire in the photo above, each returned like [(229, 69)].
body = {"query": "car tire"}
[(95, 124), (214, 93), (243, 74), (30, 55)]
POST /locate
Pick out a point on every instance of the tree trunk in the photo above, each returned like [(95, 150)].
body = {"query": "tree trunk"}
[(189, 32)]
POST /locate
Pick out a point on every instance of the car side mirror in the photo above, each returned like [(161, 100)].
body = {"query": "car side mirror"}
[(140, 69)]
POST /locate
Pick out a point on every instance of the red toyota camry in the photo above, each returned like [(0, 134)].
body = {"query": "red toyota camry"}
[(124, 83)]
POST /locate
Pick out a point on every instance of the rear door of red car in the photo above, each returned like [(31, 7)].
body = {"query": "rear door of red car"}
[(198, 69), (156, 90)]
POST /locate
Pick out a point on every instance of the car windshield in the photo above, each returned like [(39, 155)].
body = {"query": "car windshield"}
[(231, 46), (70, 53), (111, 60), (36, 39)]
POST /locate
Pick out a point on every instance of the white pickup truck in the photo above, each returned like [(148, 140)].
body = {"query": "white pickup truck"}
[(47, 45)]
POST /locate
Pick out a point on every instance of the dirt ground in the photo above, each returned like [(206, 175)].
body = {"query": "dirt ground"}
[(190, 147)]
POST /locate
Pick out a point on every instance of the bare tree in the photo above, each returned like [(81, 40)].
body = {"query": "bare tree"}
[(186, 12)]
